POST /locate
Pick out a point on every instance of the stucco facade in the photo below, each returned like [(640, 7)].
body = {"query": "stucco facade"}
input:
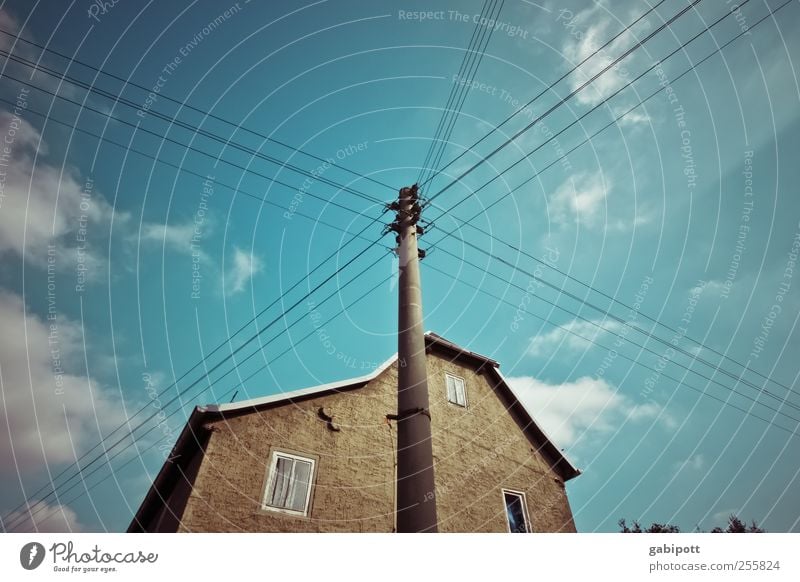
[(479, 450)]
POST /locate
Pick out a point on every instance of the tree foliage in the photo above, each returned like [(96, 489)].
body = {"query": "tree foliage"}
[(735, 525), (653, 528)]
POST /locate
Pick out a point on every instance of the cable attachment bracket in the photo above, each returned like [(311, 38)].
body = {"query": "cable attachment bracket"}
[(402, 415)]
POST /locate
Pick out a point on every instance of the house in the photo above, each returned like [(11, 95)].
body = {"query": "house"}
[(322, 459)]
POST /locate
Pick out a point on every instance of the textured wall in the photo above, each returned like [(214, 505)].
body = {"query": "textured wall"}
[(477, 451)]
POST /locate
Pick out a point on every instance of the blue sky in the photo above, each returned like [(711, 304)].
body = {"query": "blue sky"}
[(685, 207)]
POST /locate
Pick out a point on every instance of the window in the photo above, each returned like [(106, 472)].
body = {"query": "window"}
[(289, 485), (516, 512), (456, 390)]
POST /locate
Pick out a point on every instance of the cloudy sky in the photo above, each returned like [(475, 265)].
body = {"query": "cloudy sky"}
[(644, 308)]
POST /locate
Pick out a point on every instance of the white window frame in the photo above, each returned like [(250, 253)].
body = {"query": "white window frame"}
[(448, 375), (271, 477), (521, 495)]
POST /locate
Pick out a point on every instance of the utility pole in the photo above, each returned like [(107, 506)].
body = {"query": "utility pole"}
[(416, 495)]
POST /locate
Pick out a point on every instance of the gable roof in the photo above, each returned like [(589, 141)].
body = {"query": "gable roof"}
[(431, 340), (193, 433)]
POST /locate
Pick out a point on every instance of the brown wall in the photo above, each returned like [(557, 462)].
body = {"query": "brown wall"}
[(477, 450)]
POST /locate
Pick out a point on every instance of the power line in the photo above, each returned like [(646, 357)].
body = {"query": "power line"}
[(451, 94), (217, 182), (608, 315), (547, 89), (650, 96), (38, 67), (21, 518), (625, 357), (195, 130), (454, 119), (447, 234), (613, 122), (513, 247), (572, 94), (681, 75), (614, 300), (222, 397), (601, 104), (205, 375), (358, 235), (458, 94), (137, 127), (183, 104), (454, 89)]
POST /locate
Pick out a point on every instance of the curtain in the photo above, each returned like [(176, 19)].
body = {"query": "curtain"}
[(300, 485), (281, 483), (290, 484)]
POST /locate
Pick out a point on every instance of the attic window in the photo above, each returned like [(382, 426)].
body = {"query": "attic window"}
[(289, 484), (516, 512), (456, 390)]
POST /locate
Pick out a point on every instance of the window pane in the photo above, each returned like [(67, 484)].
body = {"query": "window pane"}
[(281, 482), (456, 390), (515, 513), (451, 389), (300, 485)]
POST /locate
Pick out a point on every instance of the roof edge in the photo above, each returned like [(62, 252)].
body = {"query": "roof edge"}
[(436, 339), (430, 337), (571, 470), (300, 393), (157, 489)]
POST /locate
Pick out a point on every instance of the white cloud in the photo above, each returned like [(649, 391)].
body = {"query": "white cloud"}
[(694, 463), (46, 205), (580, 199), (635, 117), (45, 518), (245, 266), (575, 411), (649, 410), (46, 408), (621, 225), (558, 338), (714, 286), (186, 238), (590, 30), (21, 133), (577, 48), (177, 237)]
